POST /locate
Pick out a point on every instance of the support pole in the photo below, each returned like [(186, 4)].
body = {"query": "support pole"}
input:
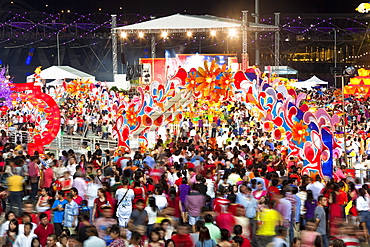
[(114, 44), (277, 44), (256, 39), (58, 48), (344, 125), (152, 43), (153, 50), (335, 56), (245, 40)]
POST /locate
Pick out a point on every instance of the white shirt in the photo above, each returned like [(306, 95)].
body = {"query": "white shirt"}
[(161, 201), (316, 188), (362, 204), (80, 185), (193, 132), (22, 240), (4, 227), (72, 168), (91, 193), (94, 241), (152, 215), (21, 228)]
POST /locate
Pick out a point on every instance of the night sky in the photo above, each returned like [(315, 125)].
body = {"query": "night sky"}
[(224, 8)]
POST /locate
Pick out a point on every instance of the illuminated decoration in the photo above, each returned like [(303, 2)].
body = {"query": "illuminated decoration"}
[(213, 33), (78, 88), (359, 86), (363, 8), (142, 112), (189, 34), (49, 110), (308, 135), (207, 78), (141, 35), (5, 91)]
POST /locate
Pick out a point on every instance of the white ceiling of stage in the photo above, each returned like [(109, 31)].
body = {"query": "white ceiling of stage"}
[(196, 23), (64, 72)]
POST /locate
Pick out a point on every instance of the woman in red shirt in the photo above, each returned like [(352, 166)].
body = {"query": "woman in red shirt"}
[(139, 193), (99, 202)]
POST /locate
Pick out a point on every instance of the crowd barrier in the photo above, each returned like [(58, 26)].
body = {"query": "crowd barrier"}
[(63, 142)]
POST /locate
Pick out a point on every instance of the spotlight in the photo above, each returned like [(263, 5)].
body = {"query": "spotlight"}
[(213, 33), (124, 35), (189, 34), (164, 34), (232, 32), (141, 35)]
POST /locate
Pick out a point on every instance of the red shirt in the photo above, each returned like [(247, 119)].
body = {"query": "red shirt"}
[(246, 242), (43, 232), (225, 221), (272, 190), (342, 198), (78, 199), (182, 240), (220, 204)]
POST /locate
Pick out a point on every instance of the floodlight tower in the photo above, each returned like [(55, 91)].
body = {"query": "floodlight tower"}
[(256, 20), (114, 43)]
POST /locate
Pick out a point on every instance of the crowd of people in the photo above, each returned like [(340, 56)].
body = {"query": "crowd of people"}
[(224, 183)]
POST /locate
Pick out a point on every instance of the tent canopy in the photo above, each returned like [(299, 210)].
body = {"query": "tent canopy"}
[(281, 70), (315, 80), (196, 23), (63, 72), (310, 83)]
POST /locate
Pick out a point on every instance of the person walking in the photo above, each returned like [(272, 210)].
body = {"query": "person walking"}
[(34, 175), (15, 188), (320, 219)]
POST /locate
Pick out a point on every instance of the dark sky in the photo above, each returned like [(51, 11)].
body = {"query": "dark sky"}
[(231, 8)]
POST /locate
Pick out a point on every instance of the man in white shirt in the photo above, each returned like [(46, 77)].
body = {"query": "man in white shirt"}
[(71, 167), (124, 198), (25, 239), (160, 199), (316, 187), (93, 240), (80, 184), (26, 218)]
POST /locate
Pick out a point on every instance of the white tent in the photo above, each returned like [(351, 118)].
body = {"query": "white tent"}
[(196, 23), (62, 73), (312, 82), (315, 80)]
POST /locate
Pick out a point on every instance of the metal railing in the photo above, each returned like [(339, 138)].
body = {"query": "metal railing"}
[(63, 142), (66, 142)]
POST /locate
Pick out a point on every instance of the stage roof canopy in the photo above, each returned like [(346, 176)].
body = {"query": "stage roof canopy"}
[(195, 23), (63, 72), (281, 70)]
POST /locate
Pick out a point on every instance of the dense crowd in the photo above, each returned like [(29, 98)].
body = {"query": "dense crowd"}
[(218, 181)]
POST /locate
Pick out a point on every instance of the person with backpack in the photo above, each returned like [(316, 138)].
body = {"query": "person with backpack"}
[(124, 198)]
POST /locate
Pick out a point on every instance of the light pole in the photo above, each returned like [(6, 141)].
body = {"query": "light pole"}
[(335, 55), (344, 121), (58, 53)]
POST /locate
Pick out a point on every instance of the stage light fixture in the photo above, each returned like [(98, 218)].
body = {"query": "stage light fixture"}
[(141, 35), (213, 33), (232, 32), (124, 35), (189, 34), (164, 34)]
